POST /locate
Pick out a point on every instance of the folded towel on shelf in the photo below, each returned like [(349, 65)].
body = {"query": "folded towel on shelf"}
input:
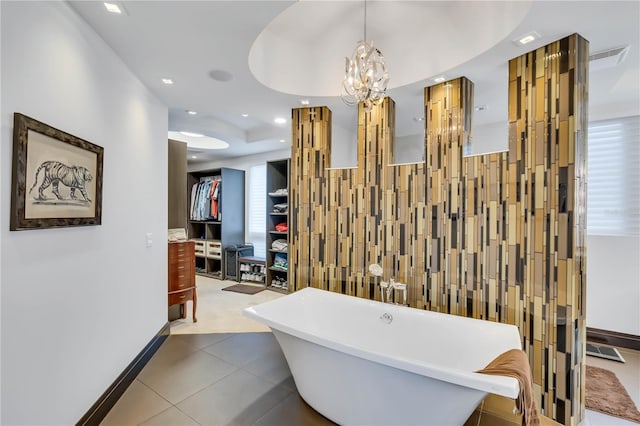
[(514, 363), (280, 245), (281, 208)]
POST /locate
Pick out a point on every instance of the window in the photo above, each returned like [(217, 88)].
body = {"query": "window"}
[(613, 177), (257, 211)]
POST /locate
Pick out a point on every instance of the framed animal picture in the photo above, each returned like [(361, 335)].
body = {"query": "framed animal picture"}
[(56, 178)]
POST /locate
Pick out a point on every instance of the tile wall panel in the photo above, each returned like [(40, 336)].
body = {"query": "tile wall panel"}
[(499, 237)]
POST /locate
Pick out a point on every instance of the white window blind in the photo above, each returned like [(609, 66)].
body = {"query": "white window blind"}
[(613, 177), (258, 209)]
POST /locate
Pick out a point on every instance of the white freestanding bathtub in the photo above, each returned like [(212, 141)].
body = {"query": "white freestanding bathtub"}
[(362, 362)]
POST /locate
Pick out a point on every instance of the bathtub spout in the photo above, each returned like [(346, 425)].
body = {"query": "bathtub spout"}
[(385, 290), (390, 288)]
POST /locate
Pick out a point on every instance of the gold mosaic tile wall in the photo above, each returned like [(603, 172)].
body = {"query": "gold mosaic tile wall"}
[(498, 237)]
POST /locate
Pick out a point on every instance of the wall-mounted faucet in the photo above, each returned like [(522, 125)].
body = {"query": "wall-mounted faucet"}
[(386, 288)]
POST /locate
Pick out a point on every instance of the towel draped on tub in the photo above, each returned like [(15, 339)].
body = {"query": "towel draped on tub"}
[(514, 363)]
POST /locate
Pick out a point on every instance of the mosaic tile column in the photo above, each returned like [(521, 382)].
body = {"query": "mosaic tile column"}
[(372, 214), (308, 196), (499, 237), (547, 155), (507, 234)]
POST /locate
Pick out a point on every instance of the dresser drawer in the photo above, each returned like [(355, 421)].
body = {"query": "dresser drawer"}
[(181, 277), (181, 250), (180, 297)]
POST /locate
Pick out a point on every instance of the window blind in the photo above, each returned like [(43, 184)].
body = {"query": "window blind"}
[(613, 177), (258, 209)]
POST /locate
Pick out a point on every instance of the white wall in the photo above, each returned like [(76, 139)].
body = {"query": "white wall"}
[(613, 283), (78, 304), (1, 224), (487, 138), (344, 146), (409, 149)]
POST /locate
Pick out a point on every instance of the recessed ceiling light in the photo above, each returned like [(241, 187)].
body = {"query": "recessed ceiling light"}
[(193, 157), (281, 140), (245, 115), (304, 102), (191, 112), (418, 118), (167, 81), (438, 79), (192, 135), (112, 7), (526, 38), (279, 120), (481, 108)]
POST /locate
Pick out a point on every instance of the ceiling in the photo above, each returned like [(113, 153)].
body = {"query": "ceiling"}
[(205, 48)]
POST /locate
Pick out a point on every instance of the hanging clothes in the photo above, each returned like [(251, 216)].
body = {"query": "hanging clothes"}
[(205, 199)]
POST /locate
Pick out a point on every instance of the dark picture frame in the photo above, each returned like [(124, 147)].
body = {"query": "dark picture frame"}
[(56, 178)]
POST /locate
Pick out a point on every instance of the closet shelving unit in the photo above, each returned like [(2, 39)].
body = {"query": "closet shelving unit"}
[(252, 269), (277, 194), (212, 236)]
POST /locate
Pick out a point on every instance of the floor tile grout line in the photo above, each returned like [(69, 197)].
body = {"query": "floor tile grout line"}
[(210, 384), (236, 368), (154, 391), (263, 378), (165, 410), (182, 339), (197, 422), (271, 409)]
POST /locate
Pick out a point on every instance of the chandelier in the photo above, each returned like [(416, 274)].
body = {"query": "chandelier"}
[(366, 76)]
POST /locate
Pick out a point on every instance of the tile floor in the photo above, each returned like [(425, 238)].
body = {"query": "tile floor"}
[(221, 311), (212, 373)]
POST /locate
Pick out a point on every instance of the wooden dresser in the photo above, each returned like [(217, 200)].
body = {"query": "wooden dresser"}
[(182, 275)]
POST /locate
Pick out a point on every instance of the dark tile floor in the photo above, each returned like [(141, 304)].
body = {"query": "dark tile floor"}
[(243, 379), (215, 379)]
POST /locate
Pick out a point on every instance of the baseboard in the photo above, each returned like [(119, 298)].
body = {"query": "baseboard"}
[(613, 338), (108, 399)]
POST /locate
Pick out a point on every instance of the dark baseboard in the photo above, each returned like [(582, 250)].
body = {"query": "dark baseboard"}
[(613, 338), (108, 399)]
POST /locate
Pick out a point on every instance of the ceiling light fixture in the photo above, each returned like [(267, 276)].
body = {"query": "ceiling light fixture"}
[(167, 81), (366, 76), (282, 140), (193, 157), (244, 115), (192, 135), (439, 79), (191, 112), (113, 8), (198, 142), (526, 38), (279, 120), (304, 102)]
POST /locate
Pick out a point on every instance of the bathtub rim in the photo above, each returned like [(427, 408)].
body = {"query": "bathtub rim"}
[(500, 385)]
